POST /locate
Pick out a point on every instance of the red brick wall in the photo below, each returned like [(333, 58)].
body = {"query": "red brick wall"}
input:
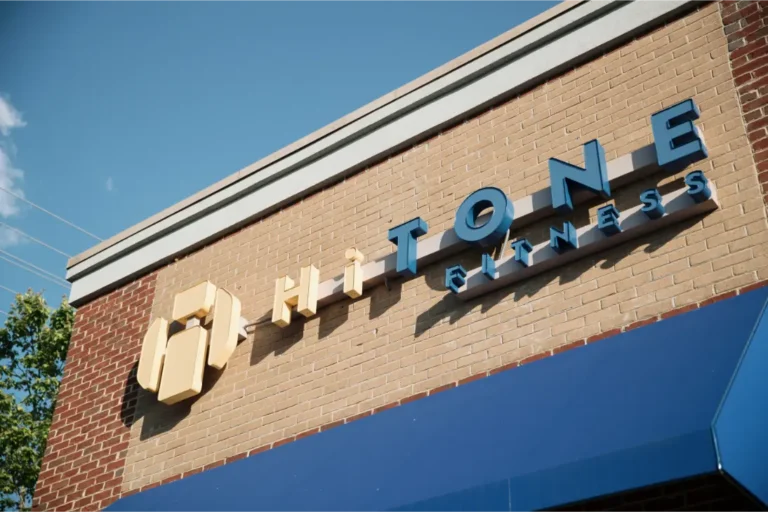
[(747, 32), (83, 463)]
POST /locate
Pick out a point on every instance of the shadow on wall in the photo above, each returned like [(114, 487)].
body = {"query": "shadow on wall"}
[(452, 308), (158, 417), (267, 337)]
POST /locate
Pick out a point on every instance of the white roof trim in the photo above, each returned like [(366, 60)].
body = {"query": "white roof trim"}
[(562, 42), (315, 136)]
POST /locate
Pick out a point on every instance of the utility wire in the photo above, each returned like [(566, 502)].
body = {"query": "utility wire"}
[(33, 272), (34, 239), (9, 290), (65, 221), (50, 276), (25, 262), (3, 313)]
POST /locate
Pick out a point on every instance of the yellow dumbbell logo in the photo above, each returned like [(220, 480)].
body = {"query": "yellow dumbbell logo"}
[(173, 366)]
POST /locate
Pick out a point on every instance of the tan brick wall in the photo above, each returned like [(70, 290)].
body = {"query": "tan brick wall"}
[(356, 356)]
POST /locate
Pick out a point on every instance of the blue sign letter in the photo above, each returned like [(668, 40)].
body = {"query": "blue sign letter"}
[(494, 228), (404, 237), (489, 267), (564, 240), (522, 249), (455, 277), (608, 220), (652, 206), (677, 140), (698, 186), (593, 177)]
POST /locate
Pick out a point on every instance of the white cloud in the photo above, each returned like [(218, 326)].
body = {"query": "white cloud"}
[(110, 184), (10, 176), (10, 179), (9, 117), (9, 238)]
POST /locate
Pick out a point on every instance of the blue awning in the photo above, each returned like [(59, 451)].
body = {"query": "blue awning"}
[(629, 411)]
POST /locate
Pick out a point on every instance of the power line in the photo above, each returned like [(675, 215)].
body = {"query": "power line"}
[(9, 290), (34, 239), (54, 279), (25, 262), (33, 272), (4, 313), (65, 221)]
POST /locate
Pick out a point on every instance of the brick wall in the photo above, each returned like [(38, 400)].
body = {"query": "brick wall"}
[(358, 357), (747, 32), (400, 343), (83, 464)]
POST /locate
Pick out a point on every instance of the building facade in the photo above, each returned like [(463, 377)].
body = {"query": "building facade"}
[(590, 343)]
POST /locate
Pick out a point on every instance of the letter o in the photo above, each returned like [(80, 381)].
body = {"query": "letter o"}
[(494, 229)]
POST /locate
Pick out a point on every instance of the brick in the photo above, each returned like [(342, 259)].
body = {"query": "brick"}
[(718, 298), (123, 343), (385, 407), (413, 398), (442, 388), (536, 357), (504, 368), (283, 441), (679, 311), (391, 345), (606, 334), (472, 378), (569, 346), (751, 287)]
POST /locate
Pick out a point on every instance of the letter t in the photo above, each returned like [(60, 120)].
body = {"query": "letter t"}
[(404, 237)]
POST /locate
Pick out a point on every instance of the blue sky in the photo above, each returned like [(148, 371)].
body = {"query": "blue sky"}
[(111, 112)]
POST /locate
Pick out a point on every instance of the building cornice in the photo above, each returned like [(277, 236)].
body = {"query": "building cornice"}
[(333, 127), (557, 40)]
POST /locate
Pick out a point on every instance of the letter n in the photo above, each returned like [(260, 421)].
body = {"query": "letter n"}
[(563, 176)]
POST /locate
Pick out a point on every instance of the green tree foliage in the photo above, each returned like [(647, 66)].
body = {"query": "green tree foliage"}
[(33, 347)]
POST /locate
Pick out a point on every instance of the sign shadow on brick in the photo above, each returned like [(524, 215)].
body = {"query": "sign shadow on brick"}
[(268, 338), (453, 309), (139, 404)]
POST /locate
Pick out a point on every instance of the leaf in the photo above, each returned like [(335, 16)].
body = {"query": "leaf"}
[(33, 348)]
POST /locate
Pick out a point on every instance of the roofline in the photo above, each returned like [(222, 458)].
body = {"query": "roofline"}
[(531, 54), (332, 127)]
